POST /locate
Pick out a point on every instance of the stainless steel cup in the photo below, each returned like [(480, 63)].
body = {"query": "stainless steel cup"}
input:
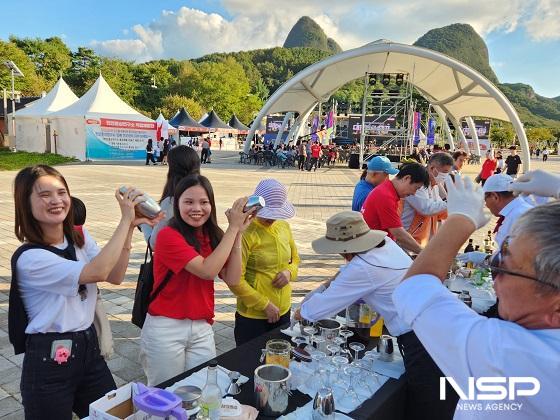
[(272, 390), (328, 328), (323, 405), (149, 207), (254, 201), (385, 348)]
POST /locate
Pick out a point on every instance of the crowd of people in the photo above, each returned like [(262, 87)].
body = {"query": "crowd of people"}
[(424, 209)]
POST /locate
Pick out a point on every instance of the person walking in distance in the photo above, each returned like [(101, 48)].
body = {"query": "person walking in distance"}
[(513, 161)]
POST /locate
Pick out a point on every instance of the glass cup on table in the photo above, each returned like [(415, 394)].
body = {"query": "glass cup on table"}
[(339, 362), (351, 397), (357, 347), (316, 381), (334, 349)]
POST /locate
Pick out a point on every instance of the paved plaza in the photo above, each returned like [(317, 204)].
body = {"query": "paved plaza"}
[(316, 196)]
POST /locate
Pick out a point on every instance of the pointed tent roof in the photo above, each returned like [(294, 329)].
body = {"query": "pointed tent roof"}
[(213, 121), (58, 98), (184, 122), (238, 125), (100, 99)]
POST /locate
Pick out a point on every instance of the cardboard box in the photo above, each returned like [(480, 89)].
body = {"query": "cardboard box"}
[(117, 405)]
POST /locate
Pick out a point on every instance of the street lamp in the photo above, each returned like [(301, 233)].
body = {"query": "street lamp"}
[(16, 72)]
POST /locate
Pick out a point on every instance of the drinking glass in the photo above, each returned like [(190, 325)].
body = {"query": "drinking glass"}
[(315, 380), (334, 349), (357, 347), (319, 341), (351, 396), (339, 361)]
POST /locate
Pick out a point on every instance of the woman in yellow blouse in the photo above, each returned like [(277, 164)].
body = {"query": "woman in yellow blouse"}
[(269, 263)]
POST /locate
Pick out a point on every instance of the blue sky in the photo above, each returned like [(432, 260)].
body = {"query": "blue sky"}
[(523, 36)]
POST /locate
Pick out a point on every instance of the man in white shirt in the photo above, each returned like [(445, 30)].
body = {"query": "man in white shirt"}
[(503, 204), (375, 267), (420, 211), (525, 345)]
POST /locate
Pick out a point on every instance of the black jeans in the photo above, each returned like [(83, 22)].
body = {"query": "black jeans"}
[(248, 328), (53, 391), (203, 155), (150, 157), (313, 164), (423, 377), (301, 162)]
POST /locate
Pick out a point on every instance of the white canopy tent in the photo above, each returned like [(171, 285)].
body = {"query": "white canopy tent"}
[(33, 133), (100, 125), (458, 90)]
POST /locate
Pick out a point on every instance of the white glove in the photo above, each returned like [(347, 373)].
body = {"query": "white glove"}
[(537, 182), (475, 257), (467, 199)]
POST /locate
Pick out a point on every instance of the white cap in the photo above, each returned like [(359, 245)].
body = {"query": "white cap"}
[(497, 183)]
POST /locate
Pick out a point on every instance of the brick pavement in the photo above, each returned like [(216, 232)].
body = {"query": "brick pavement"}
[(316, 196)]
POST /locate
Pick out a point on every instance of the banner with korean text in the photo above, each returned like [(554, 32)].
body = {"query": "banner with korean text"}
[(108, 138)]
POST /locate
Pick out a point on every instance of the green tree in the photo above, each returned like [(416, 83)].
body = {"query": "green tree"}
[(50, 56), (172, 103), (119, 76), (31, 83), (539, 136), (83, 71), (222, 86), (501, 134), (153, 83)]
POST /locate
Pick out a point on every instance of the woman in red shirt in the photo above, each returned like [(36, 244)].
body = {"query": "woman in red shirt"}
[(193, 250), (488, 167)]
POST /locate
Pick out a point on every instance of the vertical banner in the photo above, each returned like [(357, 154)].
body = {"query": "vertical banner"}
[(330, 126), (315, 128), (431, 131), (416, 126)]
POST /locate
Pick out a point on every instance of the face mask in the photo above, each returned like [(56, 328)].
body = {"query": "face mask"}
[(441, 177)]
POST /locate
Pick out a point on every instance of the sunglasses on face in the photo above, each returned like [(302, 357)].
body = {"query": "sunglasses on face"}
[(497, 261)]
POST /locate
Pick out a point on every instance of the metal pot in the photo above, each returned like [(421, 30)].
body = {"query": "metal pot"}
[(328, 328), (271, 389)]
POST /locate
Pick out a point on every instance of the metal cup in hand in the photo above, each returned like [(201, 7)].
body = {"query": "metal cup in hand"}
[(254, 201)]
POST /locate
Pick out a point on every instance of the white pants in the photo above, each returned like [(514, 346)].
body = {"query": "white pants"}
[(170, 346)]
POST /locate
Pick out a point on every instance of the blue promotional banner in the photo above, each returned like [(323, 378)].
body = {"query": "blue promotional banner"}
[(430, 137)]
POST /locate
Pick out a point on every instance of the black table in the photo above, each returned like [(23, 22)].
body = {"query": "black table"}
[(387, 403)]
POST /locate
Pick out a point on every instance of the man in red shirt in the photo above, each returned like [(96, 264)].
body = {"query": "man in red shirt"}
[(315, 155), (381, 208)]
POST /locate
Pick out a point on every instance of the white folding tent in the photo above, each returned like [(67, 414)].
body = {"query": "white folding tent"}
[(458, 90), (33, 131), (100, 125)]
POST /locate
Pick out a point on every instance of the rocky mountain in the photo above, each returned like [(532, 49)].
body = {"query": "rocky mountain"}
[(307, 33), (461, 42)]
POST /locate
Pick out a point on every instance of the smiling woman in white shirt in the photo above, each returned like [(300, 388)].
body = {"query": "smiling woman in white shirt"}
[(53, 294), (375, 267)]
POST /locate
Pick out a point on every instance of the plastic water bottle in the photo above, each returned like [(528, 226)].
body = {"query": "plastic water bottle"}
[(211, 398)]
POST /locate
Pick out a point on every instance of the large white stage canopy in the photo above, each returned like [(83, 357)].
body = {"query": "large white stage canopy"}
[(458, 90)]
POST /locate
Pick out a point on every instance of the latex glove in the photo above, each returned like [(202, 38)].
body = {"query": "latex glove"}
[(475, 257), (537, 182), (467, 199)]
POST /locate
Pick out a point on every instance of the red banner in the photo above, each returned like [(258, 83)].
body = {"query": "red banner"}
[(130, 125)]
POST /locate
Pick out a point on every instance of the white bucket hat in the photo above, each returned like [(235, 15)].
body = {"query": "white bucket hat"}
[(348, 233), (277, 206)]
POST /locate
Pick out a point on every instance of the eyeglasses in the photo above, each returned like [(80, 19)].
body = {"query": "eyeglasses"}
[(497, 269)]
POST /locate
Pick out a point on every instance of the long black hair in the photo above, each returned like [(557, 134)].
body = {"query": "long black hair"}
[(183, 161), (210, 228)]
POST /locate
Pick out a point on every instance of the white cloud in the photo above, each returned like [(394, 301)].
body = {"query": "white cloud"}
[(188, 32)]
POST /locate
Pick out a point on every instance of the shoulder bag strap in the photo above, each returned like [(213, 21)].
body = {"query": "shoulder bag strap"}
[(160, 287)]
